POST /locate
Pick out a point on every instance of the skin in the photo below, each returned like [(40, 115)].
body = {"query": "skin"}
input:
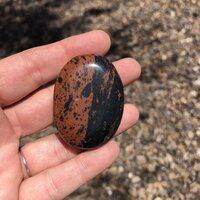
[(56, 170)]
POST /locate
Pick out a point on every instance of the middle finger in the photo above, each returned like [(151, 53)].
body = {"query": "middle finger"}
[(36, 112)]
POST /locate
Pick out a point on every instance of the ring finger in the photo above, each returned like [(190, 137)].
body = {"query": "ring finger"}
[(49, 151)]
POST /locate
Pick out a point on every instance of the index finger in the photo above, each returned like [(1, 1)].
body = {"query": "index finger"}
[(24, 72)]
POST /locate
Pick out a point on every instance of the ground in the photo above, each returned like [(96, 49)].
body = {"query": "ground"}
[(160, 156)]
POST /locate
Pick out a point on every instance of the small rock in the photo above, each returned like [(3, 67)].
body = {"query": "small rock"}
[(151, 167), (141, 160), (186, 156), (158, 198), (129, 148), (110, 192), (169, 158), (190, 134), (193, 93), (159, 138), (183, 100), (172, 176), (198, 152), (141, 193), (196, 68), (164, 57), (120, 169), (197, 167), (113, 170), (194, 187), (136, 179), (197, 82), (198, 132), (130, 175), (188, 40)]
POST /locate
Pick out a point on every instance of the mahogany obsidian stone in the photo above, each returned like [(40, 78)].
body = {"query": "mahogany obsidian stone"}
[(88, 101)]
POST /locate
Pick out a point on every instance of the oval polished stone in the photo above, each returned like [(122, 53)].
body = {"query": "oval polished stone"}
[(88, 101)]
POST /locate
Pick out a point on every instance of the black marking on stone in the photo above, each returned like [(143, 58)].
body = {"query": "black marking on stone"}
[(60, 79), (77, 74), (75, 114), (67, 86), (68, 103), (77, 85), (85, 71), (110, 76), (61, 118), (85, 109), (72, 142), (76, 60), (107, 109), (86, 91), (80, 130)]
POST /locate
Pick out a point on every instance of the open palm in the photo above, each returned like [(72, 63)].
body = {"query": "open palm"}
[(26, 107)]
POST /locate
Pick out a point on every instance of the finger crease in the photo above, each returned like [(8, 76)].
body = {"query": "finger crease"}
[(15, 122), (63, 47), (32, 70), (79, 169), (61, 154), (51, 187)]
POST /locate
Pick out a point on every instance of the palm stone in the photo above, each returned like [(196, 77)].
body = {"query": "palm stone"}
[(88, 101)]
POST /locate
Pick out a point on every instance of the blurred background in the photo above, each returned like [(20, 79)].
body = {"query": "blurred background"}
[(160, 156)]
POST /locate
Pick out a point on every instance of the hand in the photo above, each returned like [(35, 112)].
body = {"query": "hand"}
[(26, 108)]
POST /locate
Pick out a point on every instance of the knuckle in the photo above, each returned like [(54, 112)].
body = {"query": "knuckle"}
[(80, 167), (60, 153), (51, 186), (15, 121), (32, 70)]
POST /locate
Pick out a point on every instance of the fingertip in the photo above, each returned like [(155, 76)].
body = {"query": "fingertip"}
[(129, 69), (104, 35), (93, 42), (100, 35), (134, 64), (132, 112)]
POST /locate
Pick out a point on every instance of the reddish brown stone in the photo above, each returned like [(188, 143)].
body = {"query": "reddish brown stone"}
[(88, 101)]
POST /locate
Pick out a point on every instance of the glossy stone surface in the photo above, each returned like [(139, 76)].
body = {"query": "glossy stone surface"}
[(88, 101)]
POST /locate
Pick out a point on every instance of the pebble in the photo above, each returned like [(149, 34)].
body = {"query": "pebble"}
[(141, 160), (198, 152), (197, 167), (129, 148), (197, 82), (158, 198), (198, 132), (88, 101), (151, 167), (169, 158), (190, 134), (120, 169), (193, 93), (135, 179), (130, 175)]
